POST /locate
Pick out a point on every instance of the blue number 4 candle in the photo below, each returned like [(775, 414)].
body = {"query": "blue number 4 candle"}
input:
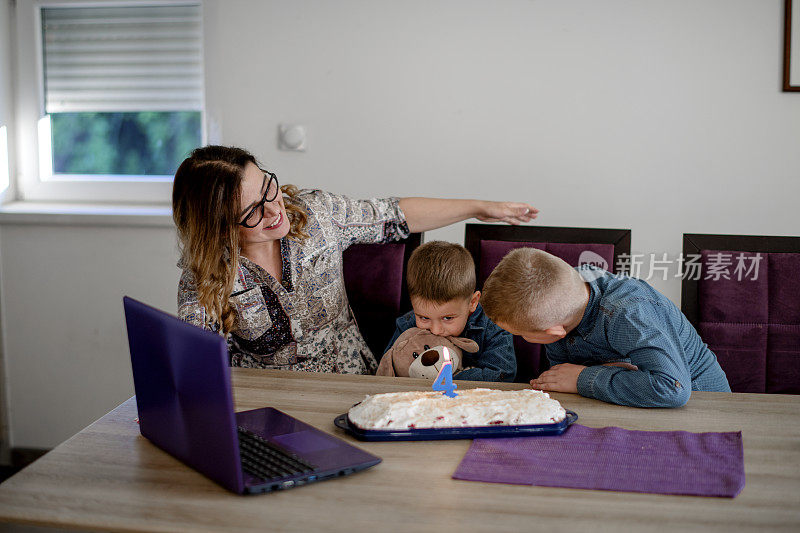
[(444, 381)]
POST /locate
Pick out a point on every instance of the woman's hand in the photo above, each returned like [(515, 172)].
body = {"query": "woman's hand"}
[(514, 213)]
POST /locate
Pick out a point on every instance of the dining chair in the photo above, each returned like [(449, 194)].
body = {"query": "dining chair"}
[(743, 297), (488, 243), (375, 280)]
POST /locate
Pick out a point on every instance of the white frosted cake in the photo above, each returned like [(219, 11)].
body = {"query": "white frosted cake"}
[(472, 407)]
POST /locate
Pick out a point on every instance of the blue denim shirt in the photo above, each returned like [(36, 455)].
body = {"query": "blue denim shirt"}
[(495, 359), (627, 320)]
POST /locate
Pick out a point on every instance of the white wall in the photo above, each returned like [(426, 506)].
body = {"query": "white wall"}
[(660, 116), (663, 117), (65, 342), (6, 119)]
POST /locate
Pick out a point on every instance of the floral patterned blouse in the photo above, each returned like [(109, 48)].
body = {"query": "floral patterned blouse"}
[(305, 321)]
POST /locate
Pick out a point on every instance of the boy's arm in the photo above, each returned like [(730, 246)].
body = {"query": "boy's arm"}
[(641, 333), (497, 360)]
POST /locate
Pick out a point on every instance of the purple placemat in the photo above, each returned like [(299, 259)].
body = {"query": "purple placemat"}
[(611, 458)]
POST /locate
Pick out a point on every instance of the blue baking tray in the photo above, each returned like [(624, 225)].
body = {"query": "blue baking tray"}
[(472, 432)]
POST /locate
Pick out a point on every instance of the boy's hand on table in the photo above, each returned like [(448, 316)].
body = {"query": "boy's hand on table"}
[(510, 212), (564, 377), (559, 378)]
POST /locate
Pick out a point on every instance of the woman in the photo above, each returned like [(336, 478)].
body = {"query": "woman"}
[(262, 263)]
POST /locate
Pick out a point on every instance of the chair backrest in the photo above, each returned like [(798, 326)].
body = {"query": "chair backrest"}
[(743, 298), (488, 244), (375, 279)]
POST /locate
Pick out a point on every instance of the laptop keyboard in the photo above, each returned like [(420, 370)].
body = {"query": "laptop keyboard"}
[(263, 459)]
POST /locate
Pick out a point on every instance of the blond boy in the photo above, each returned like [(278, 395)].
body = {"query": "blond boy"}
[(441, 285), (613, 338)]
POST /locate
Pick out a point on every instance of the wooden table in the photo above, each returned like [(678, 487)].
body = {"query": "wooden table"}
[(108, 477)]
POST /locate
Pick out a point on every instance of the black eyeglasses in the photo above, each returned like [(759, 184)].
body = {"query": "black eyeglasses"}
[(256, 213)]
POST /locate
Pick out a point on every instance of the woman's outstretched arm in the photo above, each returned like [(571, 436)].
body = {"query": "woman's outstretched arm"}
[(424, 214)]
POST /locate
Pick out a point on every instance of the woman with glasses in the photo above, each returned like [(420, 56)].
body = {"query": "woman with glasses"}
[(262, 262)]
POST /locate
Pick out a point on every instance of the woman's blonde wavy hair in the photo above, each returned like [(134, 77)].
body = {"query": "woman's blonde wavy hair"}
[(206, 195)]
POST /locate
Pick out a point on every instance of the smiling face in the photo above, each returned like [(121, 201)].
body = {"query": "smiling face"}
[(275, 224), (446, 319)]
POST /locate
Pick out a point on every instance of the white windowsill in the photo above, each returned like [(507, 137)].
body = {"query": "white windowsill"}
[(86, 214)]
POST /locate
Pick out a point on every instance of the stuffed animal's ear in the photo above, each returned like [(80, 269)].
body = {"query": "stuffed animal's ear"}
[(468, 345), (386, 366), (404, 338)]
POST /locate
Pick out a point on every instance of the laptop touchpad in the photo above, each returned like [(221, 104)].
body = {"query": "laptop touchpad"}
[(305, 441)]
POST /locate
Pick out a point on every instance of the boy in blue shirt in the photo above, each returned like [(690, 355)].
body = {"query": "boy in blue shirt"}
[(441, 285), (613, 338)]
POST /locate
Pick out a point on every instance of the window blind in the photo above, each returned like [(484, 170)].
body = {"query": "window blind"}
[(118, 59)]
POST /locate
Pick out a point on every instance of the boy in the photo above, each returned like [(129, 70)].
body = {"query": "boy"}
[(441, 285), (609, 337)]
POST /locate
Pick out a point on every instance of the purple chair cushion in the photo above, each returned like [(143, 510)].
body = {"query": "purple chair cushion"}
[(574, 254), (531, 358), (732, 300), (373, 277), (493, 251), (783, 349), (750, 318), (741, 350), (784, 288), (783, 359), (599, 255)]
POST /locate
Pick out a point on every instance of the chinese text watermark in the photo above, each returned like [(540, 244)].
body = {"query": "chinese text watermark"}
[(737, 266)]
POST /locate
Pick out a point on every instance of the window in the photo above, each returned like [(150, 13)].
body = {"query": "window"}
[(120, 97)]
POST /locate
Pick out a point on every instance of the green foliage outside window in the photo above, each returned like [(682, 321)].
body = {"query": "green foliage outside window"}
[(140, 143)]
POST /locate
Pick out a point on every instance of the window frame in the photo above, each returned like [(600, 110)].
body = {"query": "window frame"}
[(33, 181)]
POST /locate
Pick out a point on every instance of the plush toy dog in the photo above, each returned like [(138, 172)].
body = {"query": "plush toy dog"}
[(418, 353)]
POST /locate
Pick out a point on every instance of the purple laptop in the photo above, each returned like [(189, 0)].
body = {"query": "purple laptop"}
[(185, 403)]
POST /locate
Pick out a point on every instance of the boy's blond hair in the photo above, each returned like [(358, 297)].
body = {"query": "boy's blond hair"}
[(532, 290), (440, 271)]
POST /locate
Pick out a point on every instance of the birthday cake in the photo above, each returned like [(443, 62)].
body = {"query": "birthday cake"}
[(471, 408)]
